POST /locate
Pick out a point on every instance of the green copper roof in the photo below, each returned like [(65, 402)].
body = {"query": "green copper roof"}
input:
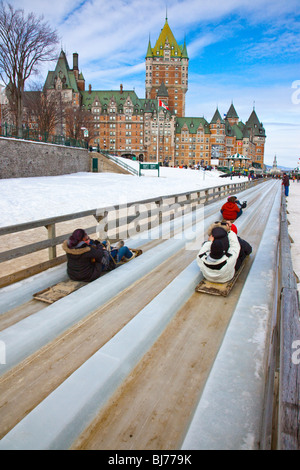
[(238, 132), (162, 91), (232, 112), (105, 97), (256, 126), (166, 37), (149, 50), (193, 124), (63, 71), (184, 51), (216, 117)]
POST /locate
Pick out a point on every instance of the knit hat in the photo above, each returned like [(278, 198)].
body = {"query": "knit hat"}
[(220, 245), (231, 199), (219, 232), (76, 237), (218, 223)]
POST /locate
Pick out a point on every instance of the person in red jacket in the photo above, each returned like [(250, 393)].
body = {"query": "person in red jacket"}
[(231, 225), (231, 210)]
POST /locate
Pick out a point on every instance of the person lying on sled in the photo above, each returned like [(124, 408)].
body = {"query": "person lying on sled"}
[(119, 253), (222, 255), (246, 248), (87, 259), (232, 209)]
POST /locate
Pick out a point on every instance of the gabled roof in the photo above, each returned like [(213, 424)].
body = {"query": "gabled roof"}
[(237, 131), (105, 97), (149, 105), (193, 124), (162, 91), (62, 70)]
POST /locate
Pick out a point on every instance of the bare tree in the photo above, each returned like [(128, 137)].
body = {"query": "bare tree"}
[(41, 109), (76, 121), (25, 42)]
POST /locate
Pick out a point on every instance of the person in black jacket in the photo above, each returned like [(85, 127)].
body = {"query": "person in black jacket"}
[(286, 183), (86, 259)]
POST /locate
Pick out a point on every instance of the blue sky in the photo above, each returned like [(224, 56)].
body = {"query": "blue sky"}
[(245, 52)]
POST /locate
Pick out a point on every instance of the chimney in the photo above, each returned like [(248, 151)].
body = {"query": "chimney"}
[(90, 89), (121, 88), (75, 61)]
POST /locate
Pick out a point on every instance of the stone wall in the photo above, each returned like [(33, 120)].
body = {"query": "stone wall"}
[(21, 159)]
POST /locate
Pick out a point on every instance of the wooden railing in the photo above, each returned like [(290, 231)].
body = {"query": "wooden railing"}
[(289, 361), (155, 208), (121, 163)]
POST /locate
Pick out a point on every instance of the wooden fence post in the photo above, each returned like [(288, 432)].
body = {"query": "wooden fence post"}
[(51, 236)]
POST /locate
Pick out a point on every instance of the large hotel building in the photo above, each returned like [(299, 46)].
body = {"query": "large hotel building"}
[(125, 124)]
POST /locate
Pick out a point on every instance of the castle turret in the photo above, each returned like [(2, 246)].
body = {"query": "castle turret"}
[(167, 63)]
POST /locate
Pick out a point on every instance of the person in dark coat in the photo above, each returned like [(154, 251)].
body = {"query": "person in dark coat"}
[(85, 260), (286, 184)]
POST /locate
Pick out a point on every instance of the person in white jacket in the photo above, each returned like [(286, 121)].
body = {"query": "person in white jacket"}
[(218, 256)]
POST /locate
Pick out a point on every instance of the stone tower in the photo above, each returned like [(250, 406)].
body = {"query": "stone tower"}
[(167, 66)]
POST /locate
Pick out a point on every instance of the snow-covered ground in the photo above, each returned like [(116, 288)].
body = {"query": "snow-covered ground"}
[(27, 199)]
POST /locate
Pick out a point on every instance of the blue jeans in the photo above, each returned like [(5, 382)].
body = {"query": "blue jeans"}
[(123, 251), (286, 190)]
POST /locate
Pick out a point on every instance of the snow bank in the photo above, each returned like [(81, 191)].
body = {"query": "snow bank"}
[(26, 199)]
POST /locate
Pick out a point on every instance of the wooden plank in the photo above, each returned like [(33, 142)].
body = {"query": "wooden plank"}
[(38, 246), (289, 381), (218, 288), (31, 271), (58, 291), (43, 222), (51, 236), (61, 289), (289, 390)]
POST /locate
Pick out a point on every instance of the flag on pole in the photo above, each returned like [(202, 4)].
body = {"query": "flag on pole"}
[(163, 105)]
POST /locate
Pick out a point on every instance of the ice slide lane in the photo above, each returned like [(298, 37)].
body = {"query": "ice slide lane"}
[(237, 405), (107, 357)]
